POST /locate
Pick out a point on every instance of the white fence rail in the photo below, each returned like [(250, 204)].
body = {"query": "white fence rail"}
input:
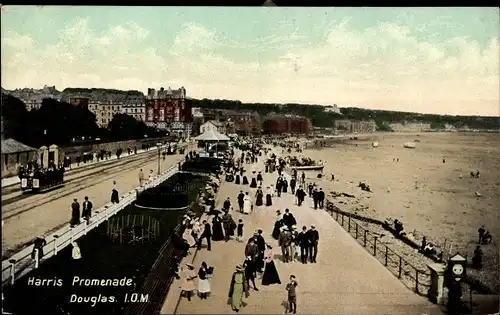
[(22, 262)]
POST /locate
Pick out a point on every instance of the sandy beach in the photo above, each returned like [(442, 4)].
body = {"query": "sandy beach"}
[(426, 194)]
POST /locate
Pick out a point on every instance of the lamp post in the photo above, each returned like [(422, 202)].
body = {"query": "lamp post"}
[(158, 146)]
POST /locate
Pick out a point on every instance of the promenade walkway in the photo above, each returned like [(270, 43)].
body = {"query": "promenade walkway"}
[(45, 213), (345, 280)]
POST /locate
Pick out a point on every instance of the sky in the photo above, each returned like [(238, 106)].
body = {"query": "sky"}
[(430, 60)]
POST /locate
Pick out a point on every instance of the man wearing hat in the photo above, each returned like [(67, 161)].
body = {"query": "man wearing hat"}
[(284, 242), (313, 237)]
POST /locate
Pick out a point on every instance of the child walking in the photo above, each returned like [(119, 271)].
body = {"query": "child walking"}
[(292, 295), (239, 231)]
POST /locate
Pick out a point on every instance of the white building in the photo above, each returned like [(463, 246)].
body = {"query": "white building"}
[(212, 125), (333, 109), (104, 111), (135, 106)]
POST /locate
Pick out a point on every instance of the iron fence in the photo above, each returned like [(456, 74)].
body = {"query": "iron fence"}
[(413, 277)]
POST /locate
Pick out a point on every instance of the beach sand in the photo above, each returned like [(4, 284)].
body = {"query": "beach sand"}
[(420, 190)]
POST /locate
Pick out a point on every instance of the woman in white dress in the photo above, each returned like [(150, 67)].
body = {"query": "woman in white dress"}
[(204, 287), (247, 204)]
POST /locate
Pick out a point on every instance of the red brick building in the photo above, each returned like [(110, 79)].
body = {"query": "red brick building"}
[(165, 107), (278, 124)]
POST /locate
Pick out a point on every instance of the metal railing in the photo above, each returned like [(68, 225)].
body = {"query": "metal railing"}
[(413, 277), (22, 262)]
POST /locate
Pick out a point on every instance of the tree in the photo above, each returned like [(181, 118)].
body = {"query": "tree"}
[(123, 126), (16, 118)]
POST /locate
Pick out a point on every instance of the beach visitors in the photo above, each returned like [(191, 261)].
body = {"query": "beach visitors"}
[(237, 179), (259, 197), (253, 182), (480, 233), (310, 188), (303, 241), (228, 225), (294, 245), (321, 198), (245, 180), (292, 295), (252, 249), (204, 287), (289, 219), (217, 230), (269, 200), (237, 288), (284, 185), (293, 183), (115, 198), (313, 237), (75, 213), (76, 253), (188, 284), (261, 244), (270, 275), (477, 259), (38, 244), (239, 235), (303, 178), (277, 226), (207, 234), (141, 177), (259, 178), (241, 201), (284, 242), (333, 177), (227, 204), (250, 269), (247, 204), (300, 194), (87, 209), (315, 197)]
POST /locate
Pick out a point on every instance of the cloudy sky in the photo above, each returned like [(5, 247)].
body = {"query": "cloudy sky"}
[(435, 60)]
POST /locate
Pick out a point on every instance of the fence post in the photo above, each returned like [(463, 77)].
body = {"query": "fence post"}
[(356, 230), (364, 238), (85, 227), (72, 233), (98, 220), (400, 267), (375, 246), (349, 224), (106, 213), (342, 220), (337, 216), (386, 254), (37, 259), (56, 237), (12, 270), (416, 280)]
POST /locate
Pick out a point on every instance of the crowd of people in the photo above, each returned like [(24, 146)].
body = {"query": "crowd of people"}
[(258, 259)]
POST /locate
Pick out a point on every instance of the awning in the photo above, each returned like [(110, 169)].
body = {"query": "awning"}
[(11, 146), (211, 135)]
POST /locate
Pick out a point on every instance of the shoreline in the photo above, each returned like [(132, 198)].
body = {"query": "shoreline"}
[(421, 190)]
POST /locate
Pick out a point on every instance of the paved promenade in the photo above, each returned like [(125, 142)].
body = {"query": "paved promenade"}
[(345, 280), (45, 216)]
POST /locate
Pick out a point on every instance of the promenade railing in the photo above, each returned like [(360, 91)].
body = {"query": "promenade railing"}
[(413, 277), (22, 262)]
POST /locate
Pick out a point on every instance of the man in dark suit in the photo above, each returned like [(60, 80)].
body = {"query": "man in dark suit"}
[(289, 219), (313, 237), (240, 200), (87, 209), (207, 233), (321, 198)]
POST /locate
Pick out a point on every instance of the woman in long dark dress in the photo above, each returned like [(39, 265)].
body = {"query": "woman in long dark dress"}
[(253, 184), (259, 197), (270, 275), (237, 179), (217, 232), (260, 179), (245, 180), (277, 228), (284, 185), (269, 199)]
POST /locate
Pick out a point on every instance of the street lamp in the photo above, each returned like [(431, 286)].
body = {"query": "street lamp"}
[(158, 146)]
